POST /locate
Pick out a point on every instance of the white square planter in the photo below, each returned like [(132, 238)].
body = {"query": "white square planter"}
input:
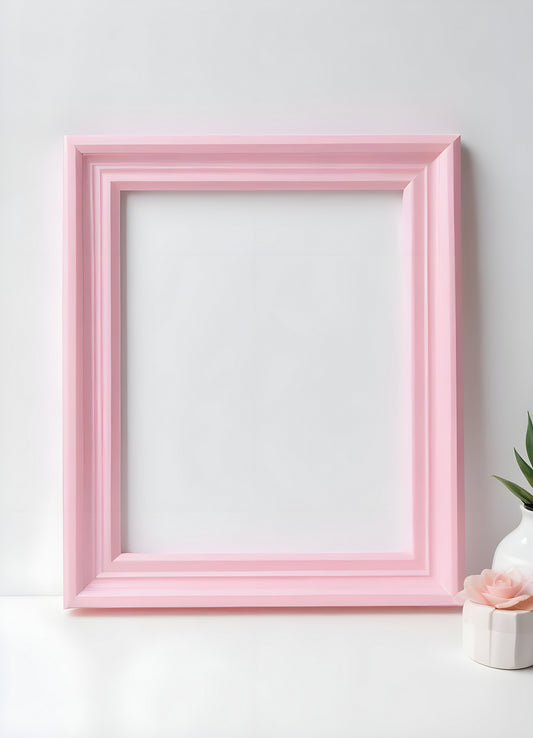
[(502, 639)]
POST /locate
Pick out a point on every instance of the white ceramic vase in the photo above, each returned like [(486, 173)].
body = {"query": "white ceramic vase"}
[(516, 549), (502, 639)]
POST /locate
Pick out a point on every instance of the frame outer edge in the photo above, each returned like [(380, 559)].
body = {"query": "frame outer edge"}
[(453, 198), (458, 253), (70, 337), (81, 587), (446, 450)]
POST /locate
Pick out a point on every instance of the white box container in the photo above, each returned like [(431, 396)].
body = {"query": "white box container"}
[(502, 639)]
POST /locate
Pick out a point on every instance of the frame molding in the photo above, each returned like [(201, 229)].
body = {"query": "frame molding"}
[(97, 169)]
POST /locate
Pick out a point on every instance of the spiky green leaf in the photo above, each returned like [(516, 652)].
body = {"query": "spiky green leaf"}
[(529, 438), (520, 492), (527, 471)]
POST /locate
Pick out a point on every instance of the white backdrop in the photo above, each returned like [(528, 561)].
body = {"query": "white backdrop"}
[(260, 67), (267, 403)]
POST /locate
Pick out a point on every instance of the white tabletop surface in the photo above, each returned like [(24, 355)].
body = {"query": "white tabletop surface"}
[(149, 674)]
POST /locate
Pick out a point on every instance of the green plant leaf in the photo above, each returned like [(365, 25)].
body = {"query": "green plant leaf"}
[(527, 471), (529, 438), (520, 492)]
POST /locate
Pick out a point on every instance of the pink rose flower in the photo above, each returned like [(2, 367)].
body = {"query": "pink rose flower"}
[(504, 590)]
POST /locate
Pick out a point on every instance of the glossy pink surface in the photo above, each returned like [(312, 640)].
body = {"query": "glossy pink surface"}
[(97, 169)]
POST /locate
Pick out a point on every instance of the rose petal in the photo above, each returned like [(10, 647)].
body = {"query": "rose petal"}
[(503, 590), (473, 589), (510, 578), (488, 576), (517, 577), (502, 577), (497, 601), (524, 605), (512, 602), (526, 588), (474, 583), (462, 596)]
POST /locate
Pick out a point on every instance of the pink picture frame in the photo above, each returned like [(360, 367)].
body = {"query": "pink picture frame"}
[(97, 574)]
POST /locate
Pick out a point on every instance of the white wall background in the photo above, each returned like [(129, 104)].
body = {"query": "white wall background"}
[(260, 67), (264, 338)]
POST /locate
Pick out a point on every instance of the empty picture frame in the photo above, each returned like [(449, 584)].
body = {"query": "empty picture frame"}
[(97, 572)]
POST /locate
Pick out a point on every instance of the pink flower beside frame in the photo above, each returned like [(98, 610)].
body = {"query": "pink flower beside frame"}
[(504, 590)]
